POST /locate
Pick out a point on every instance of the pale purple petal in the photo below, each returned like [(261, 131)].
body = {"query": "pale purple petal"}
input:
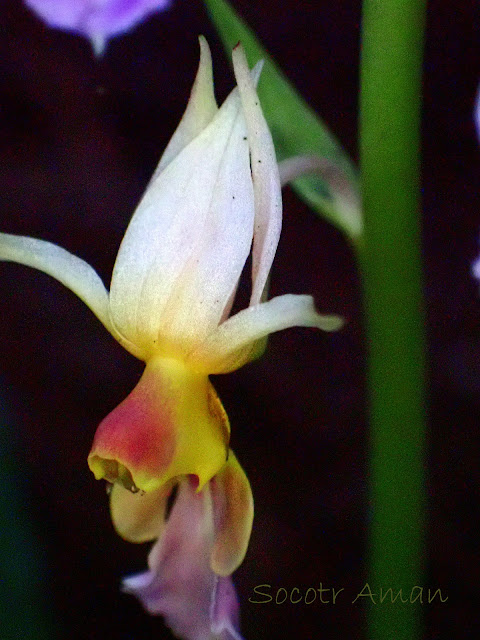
[(225, 611), (476, 112), (476, 118), (180, 585), (476, 268), (95, 18)]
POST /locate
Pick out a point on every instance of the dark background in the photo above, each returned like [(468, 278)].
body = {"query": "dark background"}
[(79, 139)]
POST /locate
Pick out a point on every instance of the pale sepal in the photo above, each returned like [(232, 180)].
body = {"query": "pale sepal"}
[(200, 111), (73, 272), (266, 180), (296, 128), (160, 254), (206, 285), (232, 344)]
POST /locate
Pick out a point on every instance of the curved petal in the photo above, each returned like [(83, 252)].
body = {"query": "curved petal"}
[(200, 111), (209, 278), (195, 203), (74, 273), (233, 343), (266, 180), (233, 517), (140, 516), (172, 424), (180, 584)]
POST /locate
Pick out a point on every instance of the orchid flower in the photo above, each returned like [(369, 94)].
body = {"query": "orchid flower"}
[(97, 20), (215, 189)]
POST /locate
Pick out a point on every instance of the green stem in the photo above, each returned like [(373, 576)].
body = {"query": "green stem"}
[(390, 103)]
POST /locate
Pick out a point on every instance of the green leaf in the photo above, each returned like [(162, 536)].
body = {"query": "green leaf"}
[(295, 127)]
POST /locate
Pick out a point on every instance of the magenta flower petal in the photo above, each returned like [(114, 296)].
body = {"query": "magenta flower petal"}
[(97, 20), (180, 584)]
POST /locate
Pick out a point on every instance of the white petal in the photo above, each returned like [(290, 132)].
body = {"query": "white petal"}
[(266, 180), (232, 344), (210, 277), (71, 271), (188, 239), (200, 110)]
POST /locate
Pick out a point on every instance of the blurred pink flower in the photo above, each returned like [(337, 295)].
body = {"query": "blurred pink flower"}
[(97, 20)]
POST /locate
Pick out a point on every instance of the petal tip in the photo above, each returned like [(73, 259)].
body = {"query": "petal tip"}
[(330, 323)]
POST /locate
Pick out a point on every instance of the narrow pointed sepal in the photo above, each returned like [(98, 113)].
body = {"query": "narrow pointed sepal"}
[(200, 111), (265, 175), (172, 424), (72, 272), (235, 342)]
